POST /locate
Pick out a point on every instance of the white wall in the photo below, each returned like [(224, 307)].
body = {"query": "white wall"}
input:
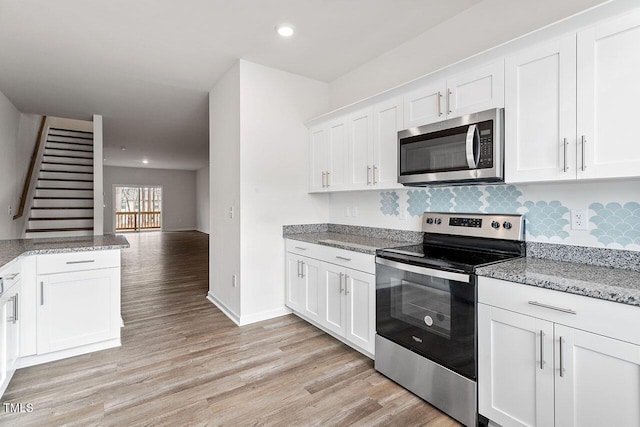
[(9, 124), (202, 200), (98, 177), (178, 194), (224, 164), (273, 181), (481, 27)]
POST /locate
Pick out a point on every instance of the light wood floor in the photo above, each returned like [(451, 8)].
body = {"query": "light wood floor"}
[(182, 362)]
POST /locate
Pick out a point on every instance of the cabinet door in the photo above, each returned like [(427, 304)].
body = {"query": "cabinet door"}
[(360, 293), (600, 382), (476, 90), (311, 287), (425, 105), (295, 287), (77, 308), (515, 368), (338, 155), (360, 149), (318, 158), (333, 308), (13, 328), (608, 93), (540, 111), (387, 121), (4, 324)]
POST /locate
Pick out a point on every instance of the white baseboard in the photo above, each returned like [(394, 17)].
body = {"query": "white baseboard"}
[(38, 359), (223, 308), (264, 315), (180, 229)]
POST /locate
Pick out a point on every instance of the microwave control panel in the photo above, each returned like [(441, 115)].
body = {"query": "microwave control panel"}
[(485, 129)]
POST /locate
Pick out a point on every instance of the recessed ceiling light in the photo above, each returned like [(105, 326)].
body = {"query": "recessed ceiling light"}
[(285, 30), (145, 161), (123, 148)]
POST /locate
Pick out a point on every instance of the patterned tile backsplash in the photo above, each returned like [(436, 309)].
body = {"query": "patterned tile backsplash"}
[(611, 224)]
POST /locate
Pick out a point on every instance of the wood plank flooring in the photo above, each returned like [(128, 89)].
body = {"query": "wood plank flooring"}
[(182, 362)]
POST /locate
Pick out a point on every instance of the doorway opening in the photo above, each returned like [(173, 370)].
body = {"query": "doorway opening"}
[(138, 208)]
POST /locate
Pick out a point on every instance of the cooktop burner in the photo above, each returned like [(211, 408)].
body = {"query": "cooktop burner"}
[(463, 242)]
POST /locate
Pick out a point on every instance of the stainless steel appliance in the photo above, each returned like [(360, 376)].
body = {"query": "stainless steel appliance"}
[(461, 150), (426, 337)]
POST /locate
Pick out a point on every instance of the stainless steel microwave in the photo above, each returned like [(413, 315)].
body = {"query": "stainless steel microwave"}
[(468, 149)]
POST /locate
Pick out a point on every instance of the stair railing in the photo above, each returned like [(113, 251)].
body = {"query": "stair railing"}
[(34, 166)]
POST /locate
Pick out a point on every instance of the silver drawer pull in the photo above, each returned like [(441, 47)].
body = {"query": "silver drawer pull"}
[(301, 248), (13, 276), (551, 307), (343, 258), (81, 262)]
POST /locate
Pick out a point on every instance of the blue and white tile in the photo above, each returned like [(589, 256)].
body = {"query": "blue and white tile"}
[(389, 203), (503, 199), (417, 202), (440, 200), (468, 199), (617, 225), (547, 219)]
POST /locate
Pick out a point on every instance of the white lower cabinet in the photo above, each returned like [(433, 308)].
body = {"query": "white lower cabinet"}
[(9, 333), (336, 298), (77, 308), (533, 370)]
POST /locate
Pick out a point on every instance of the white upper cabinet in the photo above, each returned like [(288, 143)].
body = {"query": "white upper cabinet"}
[(337, 167), (464, 93), (319, 151), (361, 148), (387, 121), (571, 106), (608, 94), (540, 112)]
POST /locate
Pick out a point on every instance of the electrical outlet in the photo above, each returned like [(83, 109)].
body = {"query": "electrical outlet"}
[(579, 219), (234, 280), (347, 211), (10, 210), (403, 214), (354, 211), (231, 213)]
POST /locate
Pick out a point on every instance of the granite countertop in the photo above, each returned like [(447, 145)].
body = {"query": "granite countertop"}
[(351, 242), (612, 284), (12, 249)]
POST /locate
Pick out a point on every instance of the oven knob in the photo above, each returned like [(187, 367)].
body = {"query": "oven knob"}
[(428, 320), (429, 220), (495, 224), (438, 221), (507, 225)]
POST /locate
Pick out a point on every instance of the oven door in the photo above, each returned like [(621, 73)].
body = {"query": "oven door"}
[(431, 312)]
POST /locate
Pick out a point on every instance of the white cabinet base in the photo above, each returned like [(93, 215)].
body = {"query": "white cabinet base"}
[(26, 361)]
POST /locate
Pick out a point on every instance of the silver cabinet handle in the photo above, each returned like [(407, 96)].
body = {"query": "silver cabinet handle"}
[(12, 318), (12, 277), (341, 288), (346, 284), (584, 143), (375, 169), (438, 104), (298, 268), (88, 261), (561, 358), (301, 248), (41, 293), (368, 174), (449, 101), (565, 144), (343, 258), (1, 286), (323, 174), (302, 269), (541, 349), (551, 307), (328, 181), (16, 307)]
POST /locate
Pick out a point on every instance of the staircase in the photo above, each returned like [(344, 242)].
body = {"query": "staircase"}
[(62, 203)]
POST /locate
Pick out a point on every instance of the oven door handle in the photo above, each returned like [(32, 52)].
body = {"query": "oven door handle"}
[(458, 277), (472, 147)]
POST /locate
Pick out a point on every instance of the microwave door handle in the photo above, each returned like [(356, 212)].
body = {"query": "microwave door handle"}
[(471, 144)]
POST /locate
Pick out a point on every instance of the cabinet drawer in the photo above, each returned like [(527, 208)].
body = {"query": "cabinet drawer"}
[(9, 275), (350, 259), (77, 261), (303, 248), (602, 317)]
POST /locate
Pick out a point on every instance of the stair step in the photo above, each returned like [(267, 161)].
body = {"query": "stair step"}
[(62, 219), (39, 230), (64, 184), (78, 134), (67, 159), (61, 167), (85, 142), (64, 212), (71, 203), (72, 130), (59, 224), (68, 153), (66, 176), (64, 193), (58, 234), (69, 146)]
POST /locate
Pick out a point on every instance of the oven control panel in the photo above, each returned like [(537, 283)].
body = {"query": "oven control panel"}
[(507, 226)]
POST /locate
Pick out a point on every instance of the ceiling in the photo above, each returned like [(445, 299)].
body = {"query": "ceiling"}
[(147, 65)]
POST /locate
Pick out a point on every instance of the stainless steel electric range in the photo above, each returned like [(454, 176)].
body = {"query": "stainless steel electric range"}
[(426, 296)]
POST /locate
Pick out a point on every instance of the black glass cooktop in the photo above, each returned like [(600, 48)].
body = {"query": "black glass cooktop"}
[(449, 258)]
